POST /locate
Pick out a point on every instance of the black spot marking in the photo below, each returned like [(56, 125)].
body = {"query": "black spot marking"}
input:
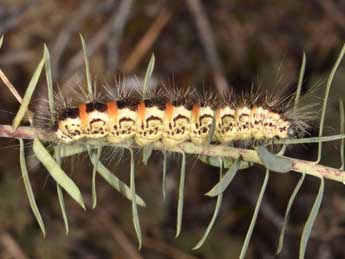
[(97, 120), (153, 118), (180, 116), (101, 107), (159, 102), (71, 113)]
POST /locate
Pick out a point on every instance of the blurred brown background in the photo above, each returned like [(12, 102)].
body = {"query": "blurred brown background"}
[(217, 44)]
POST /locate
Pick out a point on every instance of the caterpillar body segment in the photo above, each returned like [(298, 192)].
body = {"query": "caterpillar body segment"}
[(122, 122), (242, 122), (226, 125), (149, 124), (201, 123), (176, 125), (94, 119), (69, 126)]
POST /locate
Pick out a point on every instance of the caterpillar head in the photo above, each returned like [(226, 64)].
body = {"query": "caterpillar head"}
[(297, 129)]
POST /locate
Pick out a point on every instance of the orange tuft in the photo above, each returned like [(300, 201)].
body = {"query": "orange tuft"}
[(195, 111), (141, 110), (83, 115), (112, 110), (217, 114), (169, 108)]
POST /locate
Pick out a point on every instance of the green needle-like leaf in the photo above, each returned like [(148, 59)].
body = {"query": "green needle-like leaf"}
[(325, 100), (1, 40), (342, 131), (115, 182), (135, 216), (164, 174), (148, 75), (221, 186), (287, 213), (63, 208), (28, 188), (57, 173), (71, 150), (310, 140), (28, 94), (60, 193), (215, 213), (311, 219), (300, 81), (147, 152), (49, 82), (255, 215), (94, 172), (273, 162), (87, 67), (181, 195), (227, 162)]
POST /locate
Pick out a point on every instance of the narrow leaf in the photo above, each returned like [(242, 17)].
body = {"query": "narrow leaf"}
[(255, 215), (273, 162), (115, 182), (209, 160), (49, 79), (63, 208), (342, 131), (300, 81), (71, 150), (311, 219), (135, 216), (181, 195), (227, 162), (148, 75), (87, 67), (1, 40), (215, 213), (164, 174), (282, 150), (325, 100), (28, 188), (287, 213), (94, 172), (298, 94), (147, 152), (28, 94), (311, 140), (221, 186), (60, 193), (57, 173)]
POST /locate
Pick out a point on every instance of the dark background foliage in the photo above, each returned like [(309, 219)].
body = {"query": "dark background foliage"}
[(248, 43)]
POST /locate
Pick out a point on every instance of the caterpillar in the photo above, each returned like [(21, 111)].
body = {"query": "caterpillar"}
[(175, 116)]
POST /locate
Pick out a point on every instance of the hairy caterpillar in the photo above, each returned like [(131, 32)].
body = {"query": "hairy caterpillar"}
[(175, 116)]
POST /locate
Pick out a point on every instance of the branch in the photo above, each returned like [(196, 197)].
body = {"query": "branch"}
[(298, 165)]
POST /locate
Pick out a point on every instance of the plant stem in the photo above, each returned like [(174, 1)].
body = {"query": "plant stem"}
[(249, 155)]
